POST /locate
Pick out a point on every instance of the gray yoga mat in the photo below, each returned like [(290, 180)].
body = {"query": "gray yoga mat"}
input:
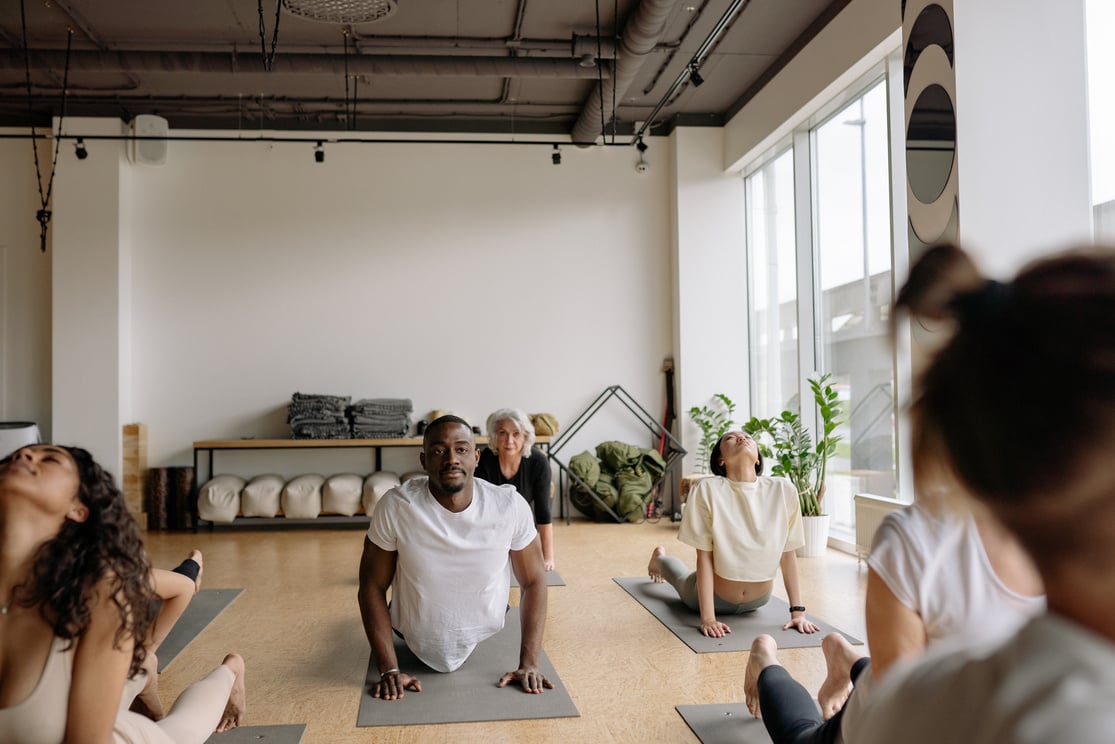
[(286, 734), (726, 723), (553, 578), (202, 610), (470, 693), (662, 602)]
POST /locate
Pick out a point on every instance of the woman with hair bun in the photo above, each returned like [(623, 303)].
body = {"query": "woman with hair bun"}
[(510, 457), (77, 610), (1018, 409)]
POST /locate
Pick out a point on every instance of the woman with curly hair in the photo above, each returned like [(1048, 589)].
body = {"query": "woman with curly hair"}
[(77, 607)]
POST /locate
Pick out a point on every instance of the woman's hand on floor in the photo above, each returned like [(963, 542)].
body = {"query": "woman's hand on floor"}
[(714, 629)]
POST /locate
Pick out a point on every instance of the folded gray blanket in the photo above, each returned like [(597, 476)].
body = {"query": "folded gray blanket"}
[(383, 405), (322, 431)]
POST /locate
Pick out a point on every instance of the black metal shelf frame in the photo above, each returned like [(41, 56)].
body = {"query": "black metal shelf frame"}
[(673, 450)]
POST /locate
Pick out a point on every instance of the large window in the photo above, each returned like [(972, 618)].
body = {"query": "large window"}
[(773, 290), (820, 266), (853, 266)]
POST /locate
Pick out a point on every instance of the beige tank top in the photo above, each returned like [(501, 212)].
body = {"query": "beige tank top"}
[(41, 717)]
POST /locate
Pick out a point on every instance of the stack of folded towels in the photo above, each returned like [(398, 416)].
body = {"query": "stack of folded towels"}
[(380, 418), (318, 416)]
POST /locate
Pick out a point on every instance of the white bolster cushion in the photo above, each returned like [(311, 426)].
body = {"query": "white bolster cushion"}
[(341, 494), (260, 498), (375, 485), (219, 499), (301, 497)]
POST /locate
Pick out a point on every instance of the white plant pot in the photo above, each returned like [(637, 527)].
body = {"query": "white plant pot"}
[(816, 531)]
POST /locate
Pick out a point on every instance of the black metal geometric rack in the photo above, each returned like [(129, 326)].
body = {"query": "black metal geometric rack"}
[(673, 449)]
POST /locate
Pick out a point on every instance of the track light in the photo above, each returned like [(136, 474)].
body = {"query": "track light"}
[(641, 164), (319, 152), (556, 156), (79, 149), (641, 146), (695, 76)]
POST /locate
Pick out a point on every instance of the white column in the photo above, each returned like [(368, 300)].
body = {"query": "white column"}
[(90, 274), (1022, 129), (710, 273)]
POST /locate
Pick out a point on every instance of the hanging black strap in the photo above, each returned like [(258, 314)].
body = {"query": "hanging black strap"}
[(43, 215)]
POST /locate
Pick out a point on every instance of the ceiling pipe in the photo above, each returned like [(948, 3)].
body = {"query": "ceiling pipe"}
[(640, 35), (302, 64)]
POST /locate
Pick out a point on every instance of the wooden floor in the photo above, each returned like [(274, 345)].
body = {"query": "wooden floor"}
[(298, 627)]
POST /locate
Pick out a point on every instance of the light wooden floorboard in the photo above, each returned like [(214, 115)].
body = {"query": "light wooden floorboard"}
[(298, 627)]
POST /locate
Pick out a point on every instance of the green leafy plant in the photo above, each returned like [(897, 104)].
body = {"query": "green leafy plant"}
[(714, 420), (787, 445)]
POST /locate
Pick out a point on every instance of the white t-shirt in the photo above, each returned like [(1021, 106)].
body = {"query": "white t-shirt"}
[(452, 575), (937, 566), (1054, 681), (746, 526)]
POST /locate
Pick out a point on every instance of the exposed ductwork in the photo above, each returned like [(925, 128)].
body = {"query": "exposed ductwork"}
[(640, 36), (304, 64)]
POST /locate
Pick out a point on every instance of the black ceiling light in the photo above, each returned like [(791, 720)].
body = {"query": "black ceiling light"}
[(79, 149), (319, 152), (695, 76), (556, 156)]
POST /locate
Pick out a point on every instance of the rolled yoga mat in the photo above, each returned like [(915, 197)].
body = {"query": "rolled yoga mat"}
[(202, 610), (470, 693), (662, 601)]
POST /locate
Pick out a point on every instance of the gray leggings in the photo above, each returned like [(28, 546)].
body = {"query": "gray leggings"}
[(685, 582)]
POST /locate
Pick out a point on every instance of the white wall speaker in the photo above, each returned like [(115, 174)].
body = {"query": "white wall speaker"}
[(148, 151)]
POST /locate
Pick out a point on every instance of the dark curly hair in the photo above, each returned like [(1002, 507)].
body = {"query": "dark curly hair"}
[(67, 569)]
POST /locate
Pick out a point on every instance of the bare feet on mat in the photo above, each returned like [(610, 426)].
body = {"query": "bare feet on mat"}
[(148, 703), (654, 570), (195, 555), (764, 653), (839, 658), (237, 697)]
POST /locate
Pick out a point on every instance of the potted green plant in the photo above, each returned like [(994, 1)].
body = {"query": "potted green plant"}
[(714, 420), (789, 449)]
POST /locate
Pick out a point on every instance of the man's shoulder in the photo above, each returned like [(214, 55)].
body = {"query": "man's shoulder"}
[(489, 490), (409, 490)]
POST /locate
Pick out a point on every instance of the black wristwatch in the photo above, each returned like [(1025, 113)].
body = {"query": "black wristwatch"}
[(796, 608)]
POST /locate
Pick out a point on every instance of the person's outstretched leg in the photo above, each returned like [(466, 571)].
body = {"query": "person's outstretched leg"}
[(784, 705), (191, 568), (667, 568), (839, 658), (216, 702)]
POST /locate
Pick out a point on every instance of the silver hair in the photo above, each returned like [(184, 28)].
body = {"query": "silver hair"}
[(517, 417)]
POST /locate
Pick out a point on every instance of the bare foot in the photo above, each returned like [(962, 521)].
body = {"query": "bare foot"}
[(148, 703), (237, 697), (195, 554), (764, 653), (839, 658), (653, 569)]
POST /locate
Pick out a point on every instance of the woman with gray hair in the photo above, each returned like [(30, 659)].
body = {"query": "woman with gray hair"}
[(510, 457)]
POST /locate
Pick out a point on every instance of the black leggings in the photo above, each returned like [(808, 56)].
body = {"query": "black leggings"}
[(789, 713)]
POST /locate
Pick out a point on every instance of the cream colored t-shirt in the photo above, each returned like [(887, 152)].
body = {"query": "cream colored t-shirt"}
[(746, 526)]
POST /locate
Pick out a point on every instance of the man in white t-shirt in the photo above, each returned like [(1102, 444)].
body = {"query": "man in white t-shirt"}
[(442, 543)]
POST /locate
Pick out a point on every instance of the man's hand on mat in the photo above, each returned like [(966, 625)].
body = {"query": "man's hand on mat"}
[(531, 680), (801, 624), (714, 629), (391, 686)]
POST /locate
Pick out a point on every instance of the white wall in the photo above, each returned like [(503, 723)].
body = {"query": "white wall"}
[(1022, 129), (462, 277), (711, 281), (24, 286)]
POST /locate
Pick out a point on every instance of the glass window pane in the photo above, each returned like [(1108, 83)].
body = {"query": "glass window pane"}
[(773, 286), (853, 255)]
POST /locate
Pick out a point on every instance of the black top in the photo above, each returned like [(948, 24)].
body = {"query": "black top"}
[(532, 480)]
